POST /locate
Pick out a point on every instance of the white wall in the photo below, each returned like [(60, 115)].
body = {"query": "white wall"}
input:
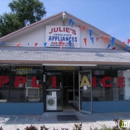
[(37, 34)]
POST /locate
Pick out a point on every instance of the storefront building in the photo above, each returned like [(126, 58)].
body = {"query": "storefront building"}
[(63, 64)]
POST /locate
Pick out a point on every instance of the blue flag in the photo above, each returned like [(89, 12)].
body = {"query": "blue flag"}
[(70, 44), (112, 41), (92, 39), (70, 21), (73, 23), (45, 44), (127, 48), (108, 46), (2, 43), (90, 32)]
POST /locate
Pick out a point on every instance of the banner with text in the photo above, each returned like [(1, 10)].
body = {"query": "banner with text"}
[(56, 34)]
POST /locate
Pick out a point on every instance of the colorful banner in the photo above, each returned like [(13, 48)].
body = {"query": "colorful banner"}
[(36, 44), (70, 21), (61, 45), (90, 33), (83, 28), (55, 34), (97, 39), (19, 44), (128, 40), (45, 44), (2, 43), (112, 41), (85, 41), (92, 39)]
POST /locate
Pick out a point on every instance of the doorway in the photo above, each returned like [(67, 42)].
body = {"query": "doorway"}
[(85, 91), (70, 91), (54, 92)]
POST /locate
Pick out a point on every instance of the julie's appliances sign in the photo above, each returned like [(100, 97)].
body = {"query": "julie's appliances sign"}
[(56, 34)]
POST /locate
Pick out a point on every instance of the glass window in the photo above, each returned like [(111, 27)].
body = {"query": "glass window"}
[(26, 84), (111, 85), (4, 83)]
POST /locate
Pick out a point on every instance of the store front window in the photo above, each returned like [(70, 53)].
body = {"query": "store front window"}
[(22, 84), (111, 85), (4, 84)]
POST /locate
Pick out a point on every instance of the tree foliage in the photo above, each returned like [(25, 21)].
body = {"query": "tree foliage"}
[(23, 13)]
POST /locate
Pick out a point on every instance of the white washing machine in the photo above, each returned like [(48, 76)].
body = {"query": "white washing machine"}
[(51, 102)]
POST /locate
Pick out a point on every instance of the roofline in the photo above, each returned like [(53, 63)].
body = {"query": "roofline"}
[(53, 16), (22, 62), (33, 24), (96, 29)]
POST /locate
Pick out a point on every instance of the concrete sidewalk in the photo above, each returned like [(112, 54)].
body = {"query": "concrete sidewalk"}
[(50, 120)]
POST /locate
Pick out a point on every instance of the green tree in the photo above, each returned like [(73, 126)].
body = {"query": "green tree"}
[(23, 13)]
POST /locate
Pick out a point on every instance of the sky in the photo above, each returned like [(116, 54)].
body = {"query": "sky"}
[(110, 16)]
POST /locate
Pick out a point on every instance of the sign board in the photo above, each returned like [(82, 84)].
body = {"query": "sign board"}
[(56, 34)]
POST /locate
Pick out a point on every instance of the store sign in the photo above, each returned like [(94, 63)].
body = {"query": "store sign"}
[(18, 81), (64, 67), (56, 34), (23, 70)]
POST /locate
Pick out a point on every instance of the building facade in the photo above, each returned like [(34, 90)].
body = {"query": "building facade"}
[(63, 64)]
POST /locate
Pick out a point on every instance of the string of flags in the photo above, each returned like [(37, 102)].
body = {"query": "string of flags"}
[(107, 39)]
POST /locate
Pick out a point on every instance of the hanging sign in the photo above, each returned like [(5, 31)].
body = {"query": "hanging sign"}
[(56, 34)]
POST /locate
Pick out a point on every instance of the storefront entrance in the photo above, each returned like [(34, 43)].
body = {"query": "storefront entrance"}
[(61, 91), (85, 91), (54, 91)]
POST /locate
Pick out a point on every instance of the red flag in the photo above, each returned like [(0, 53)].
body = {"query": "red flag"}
[(123, 43), (97, 38), (36, 44), (85, 41), (83, 28), (105, 39), (61, 44), (79, 27), (128, 40), (19, 44), (113, 48)]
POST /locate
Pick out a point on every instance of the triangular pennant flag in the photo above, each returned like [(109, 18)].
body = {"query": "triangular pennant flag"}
[(60, 44), (70, 44), (85, 41), (19, 44), (92, 39), (105, 39), (112, 41), (127, 48), (90, 32), (83, 28), (97, 38), (2, 43), (128, 41), (45, 43), (36, 44), (79, 27), (70, 21), (123, 43), (113, 48), (108, 46)]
